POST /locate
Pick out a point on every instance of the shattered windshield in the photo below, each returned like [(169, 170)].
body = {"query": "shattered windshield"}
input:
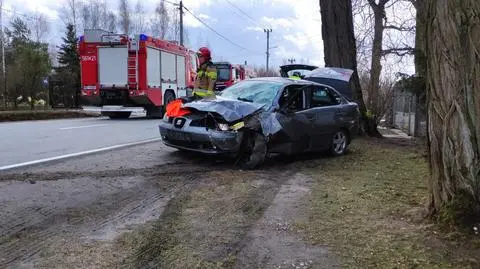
[(260, 92)]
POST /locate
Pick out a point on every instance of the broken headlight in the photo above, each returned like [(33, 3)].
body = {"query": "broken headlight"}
[(223, 127)]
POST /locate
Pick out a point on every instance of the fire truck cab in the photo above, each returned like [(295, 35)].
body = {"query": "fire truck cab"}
[(228, 74), (122, 74)]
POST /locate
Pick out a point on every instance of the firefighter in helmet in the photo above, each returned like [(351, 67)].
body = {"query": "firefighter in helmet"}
[(296, 75), (206, 75)]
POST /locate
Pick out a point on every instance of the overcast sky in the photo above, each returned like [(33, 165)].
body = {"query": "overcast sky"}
[(296, 26)]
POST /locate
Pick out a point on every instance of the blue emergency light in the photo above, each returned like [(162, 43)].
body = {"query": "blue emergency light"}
[(143, 37)]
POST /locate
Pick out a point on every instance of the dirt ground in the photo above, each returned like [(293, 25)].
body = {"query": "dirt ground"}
[(131, 208)]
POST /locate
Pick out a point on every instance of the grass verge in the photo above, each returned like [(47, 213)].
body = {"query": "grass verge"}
[(43, 115), (368, 205)]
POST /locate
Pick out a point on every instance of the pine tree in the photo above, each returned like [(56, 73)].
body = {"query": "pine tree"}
[(68, 55), (69, 59)]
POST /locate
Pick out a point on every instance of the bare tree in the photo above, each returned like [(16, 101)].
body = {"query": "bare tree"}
[(452, 43), (161, 23), (95, 11), (53, 52), (139, 24), (124, 17), (186, 38), (420, 34), (112, 22), (380, 34), (340, 47), (39, 26), (376, 66), (382, 102), (85, 13), (262, 72), (175, 27), (71, 12)]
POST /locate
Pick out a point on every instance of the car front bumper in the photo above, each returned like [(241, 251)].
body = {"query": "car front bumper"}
[(200, 139)]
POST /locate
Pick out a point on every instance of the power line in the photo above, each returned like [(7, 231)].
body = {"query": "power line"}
[(213, 30), (30, 17), (246, 15), (170, 2)]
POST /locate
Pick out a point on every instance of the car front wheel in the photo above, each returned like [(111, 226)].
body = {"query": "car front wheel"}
[(253, 150), (339, 143)]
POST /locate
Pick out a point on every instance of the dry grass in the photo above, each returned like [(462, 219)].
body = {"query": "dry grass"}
[(368, 206)]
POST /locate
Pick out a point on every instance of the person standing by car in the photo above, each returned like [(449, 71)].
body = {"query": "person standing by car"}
[(206, 75), (296, 75)]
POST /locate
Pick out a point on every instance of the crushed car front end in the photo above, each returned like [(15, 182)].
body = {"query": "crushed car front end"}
[(202, 132)]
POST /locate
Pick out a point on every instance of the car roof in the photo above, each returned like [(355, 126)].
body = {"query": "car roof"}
[(289, 81), (283, 80)]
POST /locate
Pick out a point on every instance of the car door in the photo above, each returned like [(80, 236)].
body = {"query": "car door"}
[(295, 134), (324, 110)]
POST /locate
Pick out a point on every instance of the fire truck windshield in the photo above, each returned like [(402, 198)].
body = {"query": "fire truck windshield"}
[(223, 73)]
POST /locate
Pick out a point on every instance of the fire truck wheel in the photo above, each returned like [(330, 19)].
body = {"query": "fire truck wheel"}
[(169, 97), (119, 115)]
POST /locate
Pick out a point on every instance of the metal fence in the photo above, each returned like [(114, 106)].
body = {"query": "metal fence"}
[(409, 113)]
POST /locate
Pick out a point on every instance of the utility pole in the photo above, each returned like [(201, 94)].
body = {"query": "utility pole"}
[(5, 91), (181, 22), (291, 61), (268, 31)]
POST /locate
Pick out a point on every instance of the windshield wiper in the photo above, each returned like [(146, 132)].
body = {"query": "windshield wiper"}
[(244, 99)]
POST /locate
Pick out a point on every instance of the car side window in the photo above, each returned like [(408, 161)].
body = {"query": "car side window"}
[(323, 96), (293, 100)]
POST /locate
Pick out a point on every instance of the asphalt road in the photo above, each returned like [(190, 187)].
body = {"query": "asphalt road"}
[(30, 141)]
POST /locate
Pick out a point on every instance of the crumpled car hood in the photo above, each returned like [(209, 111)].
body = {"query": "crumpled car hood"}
[(230, 110)]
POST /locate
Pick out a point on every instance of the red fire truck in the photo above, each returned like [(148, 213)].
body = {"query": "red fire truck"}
[(228, 74), (122, 74)]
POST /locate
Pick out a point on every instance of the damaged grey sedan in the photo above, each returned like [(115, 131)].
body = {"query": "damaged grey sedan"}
[(257, 117)]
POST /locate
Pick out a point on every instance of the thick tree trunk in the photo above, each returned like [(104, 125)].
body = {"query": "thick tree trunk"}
[(453, 72), (376, 65), (420, 30), (420, 62), (340, 49)]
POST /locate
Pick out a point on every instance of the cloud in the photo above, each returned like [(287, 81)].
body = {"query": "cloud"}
[(254, 28), (195, 5), (191, 21), (276, 23), (299, 39), (293, 29)]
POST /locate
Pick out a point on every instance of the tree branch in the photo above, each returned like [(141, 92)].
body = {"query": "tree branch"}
[(399, 51), (400, 28)]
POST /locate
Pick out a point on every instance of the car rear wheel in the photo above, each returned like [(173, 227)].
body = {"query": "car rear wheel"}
[(253, 150), (339, 143)]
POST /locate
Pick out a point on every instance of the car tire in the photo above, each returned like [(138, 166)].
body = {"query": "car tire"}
[(339, 143), (253, 151)]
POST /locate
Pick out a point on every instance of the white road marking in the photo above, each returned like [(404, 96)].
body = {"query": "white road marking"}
[(78, 154), (85, 126)]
